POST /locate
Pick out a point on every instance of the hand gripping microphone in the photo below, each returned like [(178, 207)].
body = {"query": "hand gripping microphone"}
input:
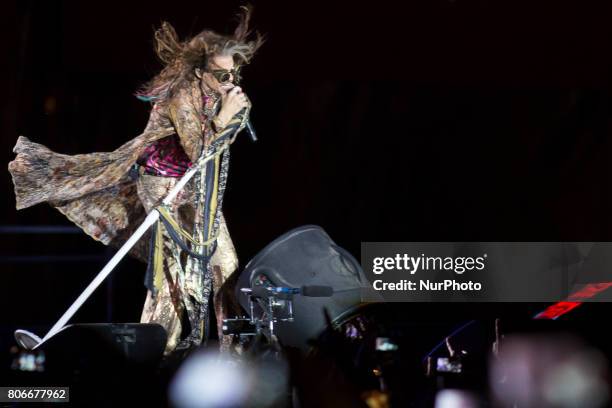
[(248, 125)]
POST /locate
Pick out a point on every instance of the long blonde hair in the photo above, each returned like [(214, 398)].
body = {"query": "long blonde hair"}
[(180, 58)]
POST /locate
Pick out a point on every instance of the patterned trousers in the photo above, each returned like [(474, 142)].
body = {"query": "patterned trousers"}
[(167, 308)]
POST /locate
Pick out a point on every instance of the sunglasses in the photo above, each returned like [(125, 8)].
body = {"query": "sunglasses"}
[(224, 75)]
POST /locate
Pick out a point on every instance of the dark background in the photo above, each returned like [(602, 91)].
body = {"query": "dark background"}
[(437, 120)]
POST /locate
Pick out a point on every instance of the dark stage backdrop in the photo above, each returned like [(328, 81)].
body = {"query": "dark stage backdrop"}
[(72, 72), (437, 120)]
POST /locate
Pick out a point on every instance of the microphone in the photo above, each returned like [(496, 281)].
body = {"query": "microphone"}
[(306, 290), (251, 131), (249, 127)]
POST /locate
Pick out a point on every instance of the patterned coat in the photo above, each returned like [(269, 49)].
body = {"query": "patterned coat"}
[(96, 191)]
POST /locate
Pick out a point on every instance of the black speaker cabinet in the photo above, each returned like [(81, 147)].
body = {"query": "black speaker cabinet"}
[(99, 346), (103, 364)]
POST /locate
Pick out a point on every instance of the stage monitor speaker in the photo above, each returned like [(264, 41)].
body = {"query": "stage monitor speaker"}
[(306, 256), (99, 346)]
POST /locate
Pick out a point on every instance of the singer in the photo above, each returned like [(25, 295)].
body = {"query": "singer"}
[(195, 99)]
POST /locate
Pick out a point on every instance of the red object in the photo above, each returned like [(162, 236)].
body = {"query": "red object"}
[(589, 290), (558, 309), (573, 301)]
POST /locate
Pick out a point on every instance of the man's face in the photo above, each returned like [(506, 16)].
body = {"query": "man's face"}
[(220, 62)]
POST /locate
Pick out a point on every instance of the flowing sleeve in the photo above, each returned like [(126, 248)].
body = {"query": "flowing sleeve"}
[(186, 120)]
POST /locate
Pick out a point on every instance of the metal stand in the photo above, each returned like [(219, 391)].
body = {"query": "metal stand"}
[(276, 307)]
